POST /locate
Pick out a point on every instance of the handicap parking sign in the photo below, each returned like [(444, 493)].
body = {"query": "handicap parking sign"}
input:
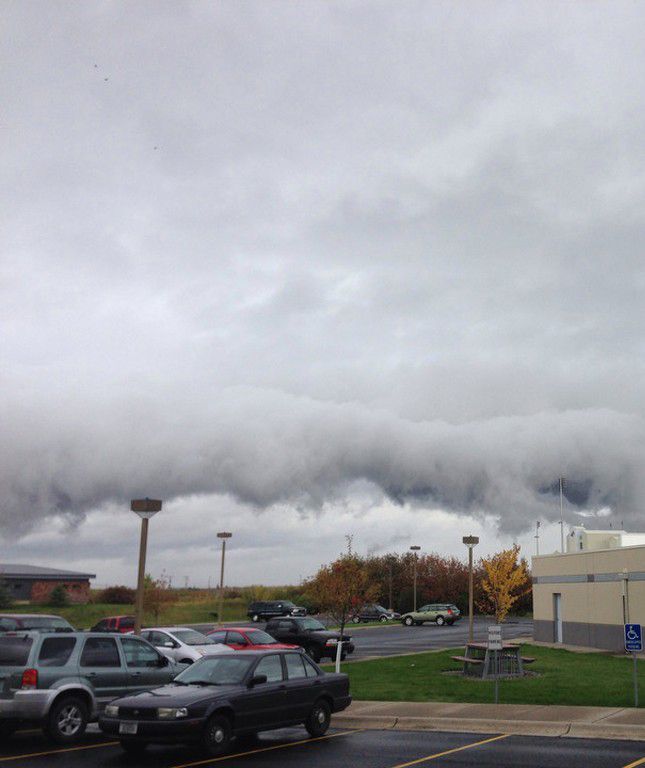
[(633, 637)]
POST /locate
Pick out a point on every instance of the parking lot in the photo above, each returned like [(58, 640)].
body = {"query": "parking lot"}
[(360, 749), (393, 639)]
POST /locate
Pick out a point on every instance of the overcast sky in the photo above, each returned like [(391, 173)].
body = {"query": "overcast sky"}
[(308, 269)]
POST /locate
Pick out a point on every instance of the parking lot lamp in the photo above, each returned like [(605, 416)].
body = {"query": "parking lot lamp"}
[(145, 508), (415, 549), (471, 542), (223, 535)]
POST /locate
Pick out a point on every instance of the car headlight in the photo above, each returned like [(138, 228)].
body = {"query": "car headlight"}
[(111, 710), (332, 641), (171, 713)]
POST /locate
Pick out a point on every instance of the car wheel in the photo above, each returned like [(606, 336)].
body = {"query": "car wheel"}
[(133, 747), (313, 652), (356, 620), (318, 721), (216, 738), (408, 621), (383, 619), (255, 618), (67, 720), (440, 621)]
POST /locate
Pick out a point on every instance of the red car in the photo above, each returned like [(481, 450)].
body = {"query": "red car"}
[(121, 624), (247, 639)]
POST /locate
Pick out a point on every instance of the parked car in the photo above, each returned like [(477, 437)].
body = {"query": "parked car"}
[(62, 681), (268, 609), (182, 644), (374, 613), (440, 613), (312, 636), (123, 624), (38, 622), (220, 697), (244, 639)]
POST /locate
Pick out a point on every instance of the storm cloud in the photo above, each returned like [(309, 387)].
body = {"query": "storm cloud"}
[(283, 252)]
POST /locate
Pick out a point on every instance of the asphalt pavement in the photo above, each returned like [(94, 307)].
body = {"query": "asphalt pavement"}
[(290, 748), (395, 639)]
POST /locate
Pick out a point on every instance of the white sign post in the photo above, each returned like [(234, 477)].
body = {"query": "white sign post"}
[(495, 645)]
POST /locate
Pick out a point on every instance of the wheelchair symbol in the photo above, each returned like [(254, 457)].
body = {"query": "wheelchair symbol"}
[(632, 634)]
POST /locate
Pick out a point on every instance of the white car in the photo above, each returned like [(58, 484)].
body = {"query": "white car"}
[(183, 644)]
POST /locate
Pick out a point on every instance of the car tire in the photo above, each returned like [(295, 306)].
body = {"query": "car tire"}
[(313, 652), (67, 720), (440, 621), (408, 621), (383, 619), (319, 718), (255, 618), (356, 620), (216, 736), (133, 747)]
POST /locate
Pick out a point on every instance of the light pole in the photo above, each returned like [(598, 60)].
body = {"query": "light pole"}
[(223, 535), (562, 479), (145, 508), (471, 542), (415, 549), (537, 537)]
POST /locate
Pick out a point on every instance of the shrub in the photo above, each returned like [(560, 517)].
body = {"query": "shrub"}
[(118, 595), (5, 596), (58, 597)]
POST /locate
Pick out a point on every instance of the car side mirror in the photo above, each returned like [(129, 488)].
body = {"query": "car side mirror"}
[(163, 661), (257, 680)]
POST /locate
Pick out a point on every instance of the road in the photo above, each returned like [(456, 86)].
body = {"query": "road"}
[(394, 639), (289, 748)]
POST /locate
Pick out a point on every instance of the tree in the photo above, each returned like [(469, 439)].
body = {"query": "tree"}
[(504, 581), (118, 595), (5, 596), (58, 597), (157, 594), (342, 587)]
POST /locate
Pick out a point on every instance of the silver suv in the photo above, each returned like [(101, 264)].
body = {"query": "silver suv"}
[(62, 681)]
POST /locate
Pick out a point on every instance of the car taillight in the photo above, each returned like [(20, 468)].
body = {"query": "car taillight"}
[(29, 679), (450, 611)]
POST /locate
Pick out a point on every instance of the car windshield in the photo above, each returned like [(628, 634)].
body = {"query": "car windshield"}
[(191, 637), (37, 622), (313, 624), (258, 637), (380, 609), (216, 670)]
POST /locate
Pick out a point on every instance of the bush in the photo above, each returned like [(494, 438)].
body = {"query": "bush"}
[(58, 597), (5, 596), (118, 595)]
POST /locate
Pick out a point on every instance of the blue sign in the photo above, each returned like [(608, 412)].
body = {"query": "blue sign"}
[(633, 637)]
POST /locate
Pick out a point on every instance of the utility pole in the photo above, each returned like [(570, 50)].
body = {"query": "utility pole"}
[(561, 516), (223, 535), (537, 537), (471, 542), (390, 606), (415, 549)]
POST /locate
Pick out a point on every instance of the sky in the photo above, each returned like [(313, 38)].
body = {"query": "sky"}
[(304, 270)]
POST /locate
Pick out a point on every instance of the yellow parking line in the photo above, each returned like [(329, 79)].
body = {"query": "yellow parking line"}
[(235, 755), (59, 751), (635, 763), (452, 751)]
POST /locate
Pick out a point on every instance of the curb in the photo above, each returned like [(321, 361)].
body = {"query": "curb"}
[(515, 727)]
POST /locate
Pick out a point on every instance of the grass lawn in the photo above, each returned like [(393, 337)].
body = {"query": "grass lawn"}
[(184, 611), (562, 677)]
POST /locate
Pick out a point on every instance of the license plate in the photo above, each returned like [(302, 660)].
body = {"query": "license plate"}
[(129, 728)]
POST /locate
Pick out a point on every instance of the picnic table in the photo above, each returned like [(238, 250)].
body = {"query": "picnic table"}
[(480, 661)]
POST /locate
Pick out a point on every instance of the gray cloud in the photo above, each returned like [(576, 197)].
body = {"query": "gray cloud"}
[(285, 249)]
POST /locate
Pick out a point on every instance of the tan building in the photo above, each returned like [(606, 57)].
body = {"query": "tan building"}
[(584, 597)]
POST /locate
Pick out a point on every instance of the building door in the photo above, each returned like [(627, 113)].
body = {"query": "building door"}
[(557, 618)]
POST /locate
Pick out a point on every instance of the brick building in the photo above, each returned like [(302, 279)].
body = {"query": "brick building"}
[(35, 583)]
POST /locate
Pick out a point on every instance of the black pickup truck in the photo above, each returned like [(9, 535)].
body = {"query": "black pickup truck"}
[(314, 637)]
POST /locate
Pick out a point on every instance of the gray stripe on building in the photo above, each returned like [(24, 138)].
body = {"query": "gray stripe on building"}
[(589, 577)]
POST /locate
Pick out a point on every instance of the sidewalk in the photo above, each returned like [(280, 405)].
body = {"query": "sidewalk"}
[(523, 719)]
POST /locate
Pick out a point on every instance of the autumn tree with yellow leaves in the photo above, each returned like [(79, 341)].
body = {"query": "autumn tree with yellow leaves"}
[(505, 580)]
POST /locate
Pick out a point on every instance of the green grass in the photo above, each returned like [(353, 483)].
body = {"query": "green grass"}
[(562, 677), (184, 611)]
